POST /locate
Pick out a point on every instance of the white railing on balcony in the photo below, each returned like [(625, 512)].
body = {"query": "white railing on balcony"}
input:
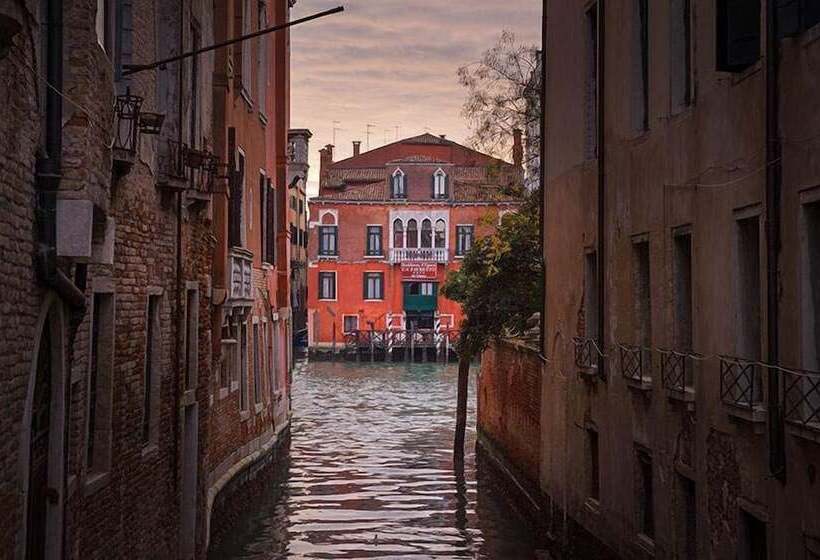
[(425, 254), (241, 274)]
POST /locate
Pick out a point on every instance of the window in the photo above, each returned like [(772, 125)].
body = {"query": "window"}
[(293, 205), (153, 342), (191, 337), (427, 288), (680, 47), (398, 234), (440, 183), (426, 233), (591, 303), (594, 488), (373, 285), (464, 239), (237, 214), (752, 543), (243, 366), (738, 34), (100, 371), (810, 307), (196, 43), (748, 317), (351, 323), (591, 89), (301, 207), (640, 66), (304, 239), (374, 241), (245, 51), (294, 235), (797, 16), (327, 241), (412, 234), (262, 59), (688, 539), (441, 234), (102, 25), (263, 210), (257, 366), (227, 370), (271, 221), (398, 186), (645, 494), (327, 285), (642, 293), (682, 288)]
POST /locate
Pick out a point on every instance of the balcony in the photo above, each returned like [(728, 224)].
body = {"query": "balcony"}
[(801, 400), (587, 357), (425, 254), (173, 171), (678, 377), (636, 366), (741, 388), (240, 275)]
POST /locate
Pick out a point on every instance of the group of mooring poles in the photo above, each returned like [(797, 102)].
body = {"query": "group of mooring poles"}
[(422, 345)]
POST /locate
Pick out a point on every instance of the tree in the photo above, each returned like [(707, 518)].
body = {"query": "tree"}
[(503, 94), (500, 287)]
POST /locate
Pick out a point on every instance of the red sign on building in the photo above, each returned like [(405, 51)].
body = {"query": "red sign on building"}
[(419, 271)]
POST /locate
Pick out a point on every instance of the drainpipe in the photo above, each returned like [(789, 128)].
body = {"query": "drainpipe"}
[(542, 181), (777, 452), (50, 166), (601, 105)]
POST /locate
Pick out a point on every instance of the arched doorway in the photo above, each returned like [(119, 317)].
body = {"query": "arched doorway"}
[(43, 439)]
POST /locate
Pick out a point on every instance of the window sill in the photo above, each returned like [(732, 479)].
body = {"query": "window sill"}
[(246, 96), (592, 506), (756, 414), (322, 299), (96, 482), (810, 35), (643, 385), (234, 386), (244, 415), (328, 257), (808, 432), (223, 392), (743, 75), (645, 543), (258, 407), (374, 257), (263, 119), (686, 396), (149, 449), (589, 374)]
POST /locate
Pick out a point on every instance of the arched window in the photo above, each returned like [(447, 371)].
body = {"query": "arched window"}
[(398, 187), (441, 234), (440, 184), (426, 233), (412, 234), (398, 234)]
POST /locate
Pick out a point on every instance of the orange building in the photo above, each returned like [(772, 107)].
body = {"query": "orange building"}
[(387, 227)]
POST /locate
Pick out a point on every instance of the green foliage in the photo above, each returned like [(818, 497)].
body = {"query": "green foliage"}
[(500, 282)]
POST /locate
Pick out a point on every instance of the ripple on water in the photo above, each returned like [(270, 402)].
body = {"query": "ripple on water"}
[(370, 475)]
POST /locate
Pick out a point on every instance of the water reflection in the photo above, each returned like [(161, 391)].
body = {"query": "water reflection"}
[(371, 475)]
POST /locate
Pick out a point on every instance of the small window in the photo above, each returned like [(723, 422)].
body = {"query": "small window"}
[(640, 66), (243, 366), (374, 241), (680, 46), (101, 358), (153, 344), (428, 289), (642, 293), (687, 519), (591, 83), (591, 304), (328, 241), (294, 235), (373, 285), (464, 239), (398, 234), (738, 34), (682, 286), (301, 207), (351, 323), (752, 543), (327, 285), (440, 184), (645, 494), (426, 233), (191, 338), (441, 234), (398, 186), (594, 489), (412, 234)]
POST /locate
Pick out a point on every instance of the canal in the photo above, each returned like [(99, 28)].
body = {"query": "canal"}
[(370, 475)]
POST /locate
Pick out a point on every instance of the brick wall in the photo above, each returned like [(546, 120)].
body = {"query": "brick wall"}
[(509, 404)]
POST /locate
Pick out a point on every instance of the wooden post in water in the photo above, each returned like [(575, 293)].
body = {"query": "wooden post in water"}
[(461, 406), (333, 346), (412, 333), (372, 346)]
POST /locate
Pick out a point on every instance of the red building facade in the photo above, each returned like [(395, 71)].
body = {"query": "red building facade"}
[(387, 227)]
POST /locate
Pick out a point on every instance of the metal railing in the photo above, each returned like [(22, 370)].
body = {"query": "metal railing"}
[(173, 161), (676, 371), (636, 363), (421, 254), (801, 398), (384, 342), (740, 382), (587, 355)]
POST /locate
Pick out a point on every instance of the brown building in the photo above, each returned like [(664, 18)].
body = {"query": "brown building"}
[(298, 167), (118, 422), (680, 417)]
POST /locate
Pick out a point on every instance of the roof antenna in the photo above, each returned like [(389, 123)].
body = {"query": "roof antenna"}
[(369, 127)]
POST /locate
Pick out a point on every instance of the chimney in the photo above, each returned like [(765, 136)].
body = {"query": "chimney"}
[(443, 136), (357, 147), (518, 148), (325, 161)]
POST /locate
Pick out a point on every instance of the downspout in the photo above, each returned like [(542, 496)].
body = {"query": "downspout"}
[(542, 181), (601, 256), (49, 168), (777, 452)]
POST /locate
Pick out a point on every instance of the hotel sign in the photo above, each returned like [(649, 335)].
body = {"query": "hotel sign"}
[(419, 271)]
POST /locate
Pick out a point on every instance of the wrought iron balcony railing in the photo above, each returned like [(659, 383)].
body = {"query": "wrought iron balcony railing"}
[(740, 382), (677, 374), (636, 363), (172, 164), (421, 254), (587, 355), (801, 398)]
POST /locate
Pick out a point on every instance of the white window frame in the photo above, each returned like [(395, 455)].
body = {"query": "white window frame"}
[(440, 184), (335, 285), (345, 316), (403, 183), (472, 240)]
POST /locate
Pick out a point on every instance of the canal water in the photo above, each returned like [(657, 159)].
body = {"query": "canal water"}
[(370, 475)]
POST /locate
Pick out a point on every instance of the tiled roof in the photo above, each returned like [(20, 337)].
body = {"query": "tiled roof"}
[(368, 192), (426, 138), (462, 192), (416, 159)]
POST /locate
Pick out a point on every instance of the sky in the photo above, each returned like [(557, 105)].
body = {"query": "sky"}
[(392, 63)]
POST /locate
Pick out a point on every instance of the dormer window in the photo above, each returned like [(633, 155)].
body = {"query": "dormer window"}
[(398, 184), (440, 184)]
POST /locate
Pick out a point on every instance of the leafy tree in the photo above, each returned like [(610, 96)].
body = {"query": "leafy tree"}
[(503, 94), (499, 286)]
